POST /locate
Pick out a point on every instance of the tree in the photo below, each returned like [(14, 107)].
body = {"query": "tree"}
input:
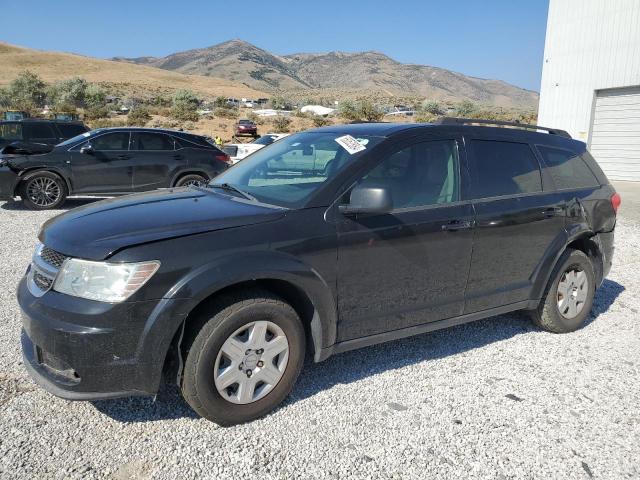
[(185, 105), (70, 92), (27, 91), (5, 98)]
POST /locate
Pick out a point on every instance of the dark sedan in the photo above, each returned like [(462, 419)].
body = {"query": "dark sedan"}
[(110, 161)]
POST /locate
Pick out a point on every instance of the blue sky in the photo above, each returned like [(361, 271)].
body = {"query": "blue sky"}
[(501, 39)]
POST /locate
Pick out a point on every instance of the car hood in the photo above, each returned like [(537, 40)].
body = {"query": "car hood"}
[(100, 229)]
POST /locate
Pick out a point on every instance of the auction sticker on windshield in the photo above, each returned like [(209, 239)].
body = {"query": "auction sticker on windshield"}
[(350, 144)]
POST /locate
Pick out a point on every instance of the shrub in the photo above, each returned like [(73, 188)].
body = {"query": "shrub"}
[(320, 121), (96, 112), (184, 105), (370, 112), (139, 117), (226, 112), (220, 102), (432, 107), (281, 124), (95, 96), (465, 108), (106, 123), (348, 110)]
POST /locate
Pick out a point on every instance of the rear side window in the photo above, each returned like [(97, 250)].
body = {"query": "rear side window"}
[(567, 169), (151, 141), (39, 130), (11, 131), (503, 168), (69, 130)]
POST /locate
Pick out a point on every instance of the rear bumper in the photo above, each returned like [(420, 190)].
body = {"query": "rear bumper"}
[(80, 349), (8, 181)]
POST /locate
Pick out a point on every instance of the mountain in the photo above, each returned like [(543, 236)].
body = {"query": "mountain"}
[(129, 78), (362, 72)]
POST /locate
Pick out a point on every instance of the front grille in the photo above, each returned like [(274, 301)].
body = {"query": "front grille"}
[(52, 257), (42, 282)]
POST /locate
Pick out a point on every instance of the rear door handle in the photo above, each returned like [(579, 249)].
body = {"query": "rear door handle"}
[(123, 157), (455, 225), (553, 212)]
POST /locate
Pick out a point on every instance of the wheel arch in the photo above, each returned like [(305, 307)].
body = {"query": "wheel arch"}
[(189, 171), (583, 239), (33, 170), (303, 289)]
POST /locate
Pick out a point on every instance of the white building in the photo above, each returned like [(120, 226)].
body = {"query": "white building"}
[(591, 79)]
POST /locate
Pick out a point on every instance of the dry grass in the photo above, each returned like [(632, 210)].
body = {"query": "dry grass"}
[(129, 78)]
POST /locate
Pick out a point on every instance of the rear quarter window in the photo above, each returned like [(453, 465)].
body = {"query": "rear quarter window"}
[(567, 169), (70, 130)]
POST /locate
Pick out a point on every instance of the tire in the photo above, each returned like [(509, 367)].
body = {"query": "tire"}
[(555, 313), (191, 179), (43, 191), (208, 367)]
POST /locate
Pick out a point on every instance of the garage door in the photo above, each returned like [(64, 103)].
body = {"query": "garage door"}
[(615, 133)]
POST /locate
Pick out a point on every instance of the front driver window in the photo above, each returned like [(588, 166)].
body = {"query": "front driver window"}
[(422, 174), (111, 141)]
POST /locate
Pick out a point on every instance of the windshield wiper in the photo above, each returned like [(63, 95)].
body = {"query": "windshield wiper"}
[(232, 188)]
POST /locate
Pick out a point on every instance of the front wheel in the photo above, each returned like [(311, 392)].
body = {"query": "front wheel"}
[(43, 191), (245, 359), (568, 298)]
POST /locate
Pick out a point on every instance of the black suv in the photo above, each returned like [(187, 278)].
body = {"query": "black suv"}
[(110, 161), (325, 241), (33, 134)]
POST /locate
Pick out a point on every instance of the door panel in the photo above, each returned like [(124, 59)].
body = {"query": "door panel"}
[(156, 160), (410, 266), (107, 169), (511, 238), (402, 269), (516, 224)]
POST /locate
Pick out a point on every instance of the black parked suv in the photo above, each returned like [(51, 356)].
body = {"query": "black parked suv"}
[(326, 241), (34, 135), (110, 161)]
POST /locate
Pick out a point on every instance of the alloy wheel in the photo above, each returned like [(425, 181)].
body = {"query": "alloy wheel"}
[(44, 191), (573, 289), (251, 362)]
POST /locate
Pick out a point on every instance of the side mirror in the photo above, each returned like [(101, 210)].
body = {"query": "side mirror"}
[(307, 150), (368, 200), (86, 149)]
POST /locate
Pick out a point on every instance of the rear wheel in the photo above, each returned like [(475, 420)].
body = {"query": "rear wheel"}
[(568, 298), (245, 359), (43, 191), (192, 180)]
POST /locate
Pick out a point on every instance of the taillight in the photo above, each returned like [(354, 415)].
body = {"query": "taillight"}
[(616, 200), (223, 157)]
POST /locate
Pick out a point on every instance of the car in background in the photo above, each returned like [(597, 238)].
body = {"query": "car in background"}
[(34, 135), (238, 151), (110, 161), (246, 127)]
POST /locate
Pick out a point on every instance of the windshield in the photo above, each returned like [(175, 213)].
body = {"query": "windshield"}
[(266, 140), (289, 171), (77, 138)]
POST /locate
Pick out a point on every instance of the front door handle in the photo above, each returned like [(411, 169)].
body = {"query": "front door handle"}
[(123, 157), (455, 225)]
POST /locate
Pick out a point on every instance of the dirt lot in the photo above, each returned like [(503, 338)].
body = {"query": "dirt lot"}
[(493, 399)]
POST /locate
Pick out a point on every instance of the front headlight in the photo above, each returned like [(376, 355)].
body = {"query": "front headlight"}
[(102, 281)]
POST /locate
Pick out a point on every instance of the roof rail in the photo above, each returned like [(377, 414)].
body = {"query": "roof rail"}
[(471, 121)]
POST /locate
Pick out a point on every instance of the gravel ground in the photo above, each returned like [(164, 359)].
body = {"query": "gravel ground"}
[(492, 399)]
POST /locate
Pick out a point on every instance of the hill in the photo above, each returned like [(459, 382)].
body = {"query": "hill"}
[(362, 72), (127, 77)]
